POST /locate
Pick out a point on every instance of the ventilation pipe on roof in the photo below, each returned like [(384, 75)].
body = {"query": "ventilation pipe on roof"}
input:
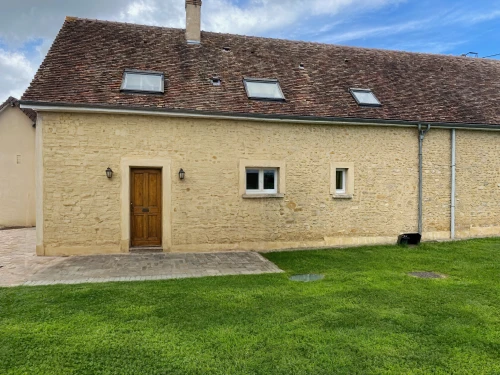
[(421, 136), (193, 21)]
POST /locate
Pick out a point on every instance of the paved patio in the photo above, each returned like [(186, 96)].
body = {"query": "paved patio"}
[(20, 266)]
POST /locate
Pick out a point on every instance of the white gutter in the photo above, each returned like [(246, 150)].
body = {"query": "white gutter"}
[(77, 109), (453, 186), (186, 115)]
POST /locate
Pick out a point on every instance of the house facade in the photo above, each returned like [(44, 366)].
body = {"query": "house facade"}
[(17, 165), (195, 141)]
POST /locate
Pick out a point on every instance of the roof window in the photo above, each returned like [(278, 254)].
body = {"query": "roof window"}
[(143, 82), (365, 97), (263, 89), (216, 81)]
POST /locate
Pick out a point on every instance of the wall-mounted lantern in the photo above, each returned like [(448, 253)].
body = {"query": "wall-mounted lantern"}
[(109, 172), (182, 174)]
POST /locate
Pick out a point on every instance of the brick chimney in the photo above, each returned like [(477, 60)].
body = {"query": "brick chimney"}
[(193, 21)]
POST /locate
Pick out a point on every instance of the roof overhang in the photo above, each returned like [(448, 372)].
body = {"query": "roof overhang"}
[(6, 105), (122, 110)]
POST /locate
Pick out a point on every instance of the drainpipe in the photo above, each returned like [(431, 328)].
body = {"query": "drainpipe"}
[(453, 186), (421, 135)]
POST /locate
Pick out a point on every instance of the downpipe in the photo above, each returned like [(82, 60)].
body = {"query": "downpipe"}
[(453, 184), (421, 136)]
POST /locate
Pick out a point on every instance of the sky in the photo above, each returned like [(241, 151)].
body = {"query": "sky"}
[(453, 27)]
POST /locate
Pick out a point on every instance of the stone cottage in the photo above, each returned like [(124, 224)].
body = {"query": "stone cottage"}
[(183, 140)]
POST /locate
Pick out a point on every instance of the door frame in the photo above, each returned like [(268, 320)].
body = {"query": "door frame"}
[(126, 164), (160, 205)]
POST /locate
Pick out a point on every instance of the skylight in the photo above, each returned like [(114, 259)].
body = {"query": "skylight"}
[(365, 97), (216, 81), (264, 89), (142, 81)]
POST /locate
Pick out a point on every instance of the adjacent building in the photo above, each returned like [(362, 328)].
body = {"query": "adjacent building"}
[(17, 165)]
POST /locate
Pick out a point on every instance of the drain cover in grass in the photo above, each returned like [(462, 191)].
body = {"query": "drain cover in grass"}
[(427, 275), (307, 277)]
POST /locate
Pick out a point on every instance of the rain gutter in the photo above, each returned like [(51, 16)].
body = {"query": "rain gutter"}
[(105, 109)]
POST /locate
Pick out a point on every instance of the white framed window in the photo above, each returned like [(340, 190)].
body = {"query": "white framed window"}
[(263, 89), (261, 180), (143, 82), (340, 180), (365, 97)]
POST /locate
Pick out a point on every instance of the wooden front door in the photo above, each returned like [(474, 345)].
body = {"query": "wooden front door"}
[(145, 207)]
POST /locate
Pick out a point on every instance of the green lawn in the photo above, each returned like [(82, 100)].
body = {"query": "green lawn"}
[(365, 317)]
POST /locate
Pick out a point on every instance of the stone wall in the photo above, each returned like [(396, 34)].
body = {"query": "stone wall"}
[(478, 184), (437, 184), (82, 208)]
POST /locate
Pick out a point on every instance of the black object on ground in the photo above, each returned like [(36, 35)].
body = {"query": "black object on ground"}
[(409, 239)]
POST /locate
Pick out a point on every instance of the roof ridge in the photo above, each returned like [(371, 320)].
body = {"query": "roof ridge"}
[(74, 18), (291, 41)]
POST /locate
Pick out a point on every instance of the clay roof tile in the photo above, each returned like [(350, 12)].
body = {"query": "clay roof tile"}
[(85, 66)]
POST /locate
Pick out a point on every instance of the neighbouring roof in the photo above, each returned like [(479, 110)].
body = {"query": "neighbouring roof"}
[(13, 102), (86, 63)]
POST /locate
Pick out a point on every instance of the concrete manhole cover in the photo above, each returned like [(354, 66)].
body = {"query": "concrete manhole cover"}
[(427, 275), (306, 278)]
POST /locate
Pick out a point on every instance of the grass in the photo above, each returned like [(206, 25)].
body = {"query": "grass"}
[(365, 317)]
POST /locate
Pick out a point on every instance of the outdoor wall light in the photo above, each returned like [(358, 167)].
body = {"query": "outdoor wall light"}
[(182, 174), (109, 172)]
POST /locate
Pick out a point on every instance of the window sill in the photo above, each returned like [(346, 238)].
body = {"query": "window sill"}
[(257, 196), (342, 196)]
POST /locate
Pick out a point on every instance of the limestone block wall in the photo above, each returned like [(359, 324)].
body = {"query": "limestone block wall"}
[(81, 207), (478, 184), (437, 184)]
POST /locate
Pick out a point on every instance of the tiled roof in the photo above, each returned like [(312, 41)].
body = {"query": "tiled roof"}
[(86, 63), (13, 102)]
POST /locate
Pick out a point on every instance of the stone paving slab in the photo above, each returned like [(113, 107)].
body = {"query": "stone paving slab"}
[(20, 266), (18, 260), (140, 278)]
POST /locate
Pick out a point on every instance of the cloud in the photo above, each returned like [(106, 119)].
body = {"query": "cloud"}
[(262, 16), (16, 71), (23, 48), (154, 12), (332, 7), (425, 46), (424, 26), (485, 16), (42, 20), (374, 32), (468, 17)]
